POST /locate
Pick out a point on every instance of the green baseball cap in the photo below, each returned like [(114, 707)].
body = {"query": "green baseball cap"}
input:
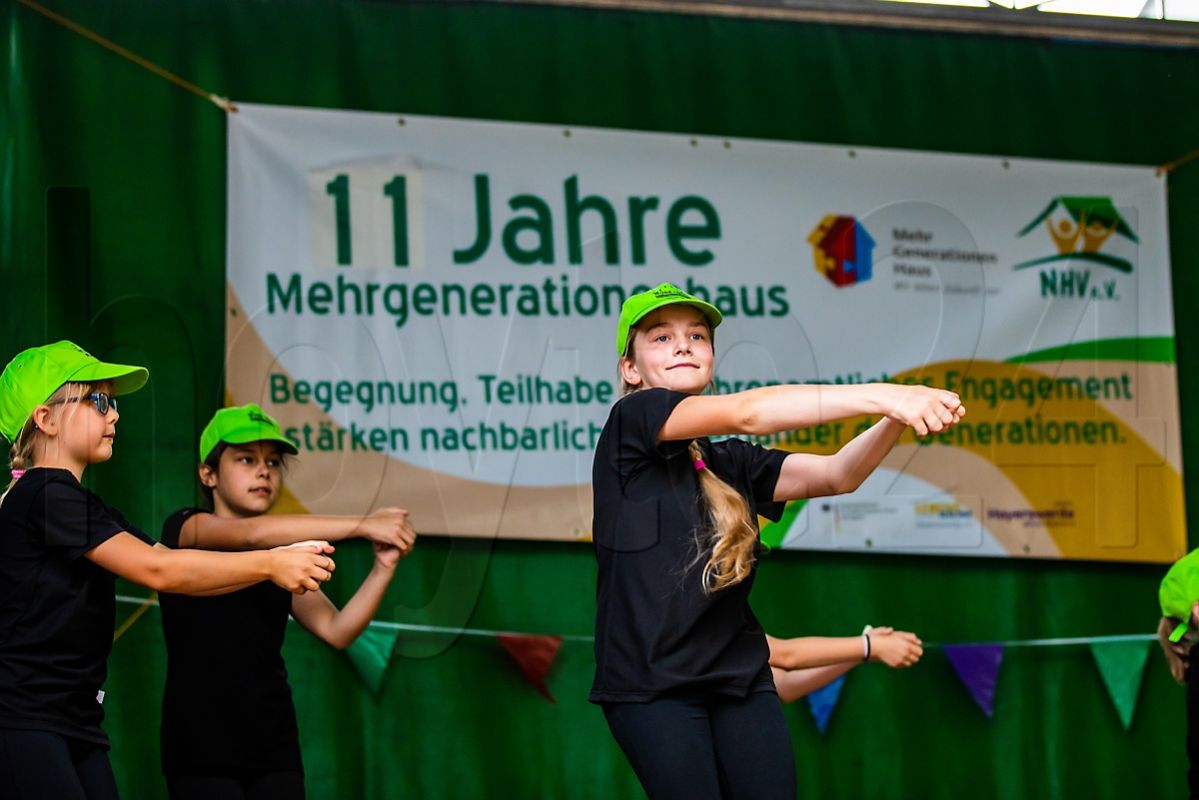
[(242, 425), (1179, 591), (666, 294), (36, 373)]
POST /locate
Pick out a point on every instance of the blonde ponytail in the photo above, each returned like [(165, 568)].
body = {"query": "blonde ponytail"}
[(733, 532)]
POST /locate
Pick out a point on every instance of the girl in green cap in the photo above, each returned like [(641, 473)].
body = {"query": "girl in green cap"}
[(682, 664), (61, 550), (228, 722), (1178, 633)]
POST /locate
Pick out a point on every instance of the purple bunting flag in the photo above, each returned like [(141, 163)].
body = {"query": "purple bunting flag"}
[(977, 665)]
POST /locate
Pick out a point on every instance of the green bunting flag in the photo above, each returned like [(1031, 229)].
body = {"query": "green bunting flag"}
[(1122, 664), (371, 653)]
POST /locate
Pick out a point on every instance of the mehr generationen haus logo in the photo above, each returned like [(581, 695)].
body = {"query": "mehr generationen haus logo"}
[(842, 249), (1080, 228)]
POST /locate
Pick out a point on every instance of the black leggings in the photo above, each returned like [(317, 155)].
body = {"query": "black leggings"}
[(237, 785), (716, 748), (35, 765)]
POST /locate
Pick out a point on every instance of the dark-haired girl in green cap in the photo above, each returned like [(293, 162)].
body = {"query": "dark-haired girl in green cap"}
[(228, 722), (61, 549), (682, 664)]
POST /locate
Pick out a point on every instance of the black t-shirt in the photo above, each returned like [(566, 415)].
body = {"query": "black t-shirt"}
[(57, 608), (227, 703), (656, 630)]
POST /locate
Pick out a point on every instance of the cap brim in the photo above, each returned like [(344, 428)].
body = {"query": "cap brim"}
[(710, 312), (246, 437), (125, 379)]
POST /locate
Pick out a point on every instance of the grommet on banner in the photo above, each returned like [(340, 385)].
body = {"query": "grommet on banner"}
[(223, 103)]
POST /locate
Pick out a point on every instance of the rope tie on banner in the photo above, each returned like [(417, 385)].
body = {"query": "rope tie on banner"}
[(222, 103), (1170, 166)]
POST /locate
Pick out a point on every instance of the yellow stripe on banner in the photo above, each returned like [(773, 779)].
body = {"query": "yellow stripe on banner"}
[(221, 102), (152, 600)]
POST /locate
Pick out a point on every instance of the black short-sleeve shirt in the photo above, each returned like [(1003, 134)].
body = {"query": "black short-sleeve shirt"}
[(227, 703), (656, 630), (57, 608)]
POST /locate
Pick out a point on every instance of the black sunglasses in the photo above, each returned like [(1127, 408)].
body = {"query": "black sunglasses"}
[(101, 400)]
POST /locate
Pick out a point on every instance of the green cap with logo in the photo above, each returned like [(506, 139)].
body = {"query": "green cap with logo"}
[(242, 425), (36, 373), (666, 294), (1179, 591)]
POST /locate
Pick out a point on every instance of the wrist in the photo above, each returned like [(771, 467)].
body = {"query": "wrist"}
[(265, 568), (382, 567), (865, 647)]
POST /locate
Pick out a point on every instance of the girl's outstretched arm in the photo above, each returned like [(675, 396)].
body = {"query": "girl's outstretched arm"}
[(893, 648), (320, 617), (793, 684), (808, 475), (297, 569), (773, 409), (389, 526)]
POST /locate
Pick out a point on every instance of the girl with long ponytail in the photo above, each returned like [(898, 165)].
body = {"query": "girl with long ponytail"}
[(682, 665)]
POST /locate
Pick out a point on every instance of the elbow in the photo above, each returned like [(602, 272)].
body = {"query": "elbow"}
[(337, 642), (847, 483), (158, 575)]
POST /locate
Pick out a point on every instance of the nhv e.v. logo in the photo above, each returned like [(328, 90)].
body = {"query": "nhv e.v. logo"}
[(1080, 228)]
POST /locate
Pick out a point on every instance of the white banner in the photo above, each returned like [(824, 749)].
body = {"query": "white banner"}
[(429, 307)]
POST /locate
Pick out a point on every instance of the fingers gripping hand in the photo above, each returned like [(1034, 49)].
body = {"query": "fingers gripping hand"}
[(388, 526), (898, 650), (300, 571), (925, 409)]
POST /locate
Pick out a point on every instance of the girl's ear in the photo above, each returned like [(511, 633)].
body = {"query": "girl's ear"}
[(207, 476), (628, 371), (45, 420)]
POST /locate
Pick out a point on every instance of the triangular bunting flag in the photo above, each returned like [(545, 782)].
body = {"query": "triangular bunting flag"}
[(978, 666), (371, 653), (1122, 664), (534, 655), (822, 702)]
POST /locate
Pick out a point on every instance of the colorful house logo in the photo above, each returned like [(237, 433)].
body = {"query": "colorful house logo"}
[(842, 249), (1079, 227)]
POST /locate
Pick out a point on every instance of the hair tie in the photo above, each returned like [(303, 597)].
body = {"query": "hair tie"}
[(17, 473), (700, 465)]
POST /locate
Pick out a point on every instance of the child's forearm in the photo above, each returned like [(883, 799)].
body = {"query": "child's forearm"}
[(815, 651), (198, 572), (854, 462), (770, 409), (211, 532), (796, 683), (341, 628)]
